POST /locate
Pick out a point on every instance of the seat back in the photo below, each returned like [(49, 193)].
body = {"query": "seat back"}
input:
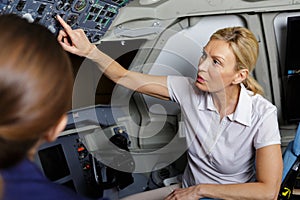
[(291, 163)]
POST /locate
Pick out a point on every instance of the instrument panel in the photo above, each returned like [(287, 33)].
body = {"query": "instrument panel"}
[(93, 16)]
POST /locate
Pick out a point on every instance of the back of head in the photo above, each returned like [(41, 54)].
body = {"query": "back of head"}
[(245, 48), (36, 83)]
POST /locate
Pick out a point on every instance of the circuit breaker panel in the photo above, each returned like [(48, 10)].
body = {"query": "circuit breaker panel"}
[(93, 16)]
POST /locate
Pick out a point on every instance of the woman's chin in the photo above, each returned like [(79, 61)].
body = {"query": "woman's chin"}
[(201, 86)]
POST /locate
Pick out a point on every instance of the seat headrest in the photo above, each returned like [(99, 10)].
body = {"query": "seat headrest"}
[(296, 145)]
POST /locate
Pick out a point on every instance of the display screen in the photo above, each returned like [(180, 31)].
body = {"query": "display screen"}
[(54, 162), (292, 60), (124, 55), (292, 70)]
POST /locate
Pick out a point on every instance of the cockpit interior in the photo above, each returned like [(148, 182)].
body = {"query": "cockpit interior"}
[(159, 37)]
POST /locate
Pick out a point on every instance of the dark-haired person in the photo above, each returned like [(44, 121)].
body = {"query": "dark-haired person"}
[(36, 82), (231, 129)]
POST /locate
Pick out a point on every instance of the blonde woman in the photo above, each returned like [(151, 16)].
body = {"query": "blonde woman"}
[(231, 129)]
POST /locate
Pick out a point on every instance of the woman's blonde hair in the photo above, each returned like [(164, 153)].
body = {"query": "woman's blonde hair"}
[(245, 48)]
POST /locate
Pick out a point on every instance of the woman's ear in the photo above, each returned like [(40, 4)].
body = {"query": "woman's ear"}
[(53, 133), (241, 75)]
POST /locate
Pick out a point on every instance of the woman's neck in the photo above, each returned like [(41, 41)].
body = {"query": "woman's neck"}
[(226, 100)]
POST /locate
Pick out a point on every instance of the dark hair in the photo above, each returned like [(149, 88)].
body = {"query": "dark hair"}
[(36, 81)]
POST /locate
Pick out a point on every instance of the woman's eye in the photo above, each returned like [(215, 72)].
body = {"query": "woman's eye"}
[(216, 62)]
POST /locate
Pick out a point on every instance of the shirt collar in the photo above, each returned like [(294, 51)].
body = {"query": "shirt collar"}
[(206, 102), (243, 110), (242, 113)]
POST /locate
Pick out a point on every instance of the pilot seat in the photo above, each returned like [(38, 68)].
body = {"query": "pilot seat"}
[(291, 162)]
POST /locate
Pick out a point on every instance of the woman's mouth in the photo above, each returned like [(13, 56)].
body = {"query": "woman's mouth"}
[(200, 79)]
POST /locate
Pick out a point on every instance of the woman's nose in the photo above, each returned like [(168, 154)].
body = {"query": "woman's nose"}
[(203, 65)]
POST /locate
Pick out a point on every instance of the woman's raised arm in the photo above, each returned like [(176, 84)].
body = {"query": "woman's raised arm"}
[(76, 42)]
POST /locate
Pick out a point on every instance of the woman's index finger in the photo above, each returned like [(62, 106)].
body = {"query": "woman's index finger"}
[(67, 28)]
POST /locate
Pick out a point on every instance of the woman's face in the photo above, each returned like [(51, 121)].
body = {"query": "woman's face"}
[(216, 69)]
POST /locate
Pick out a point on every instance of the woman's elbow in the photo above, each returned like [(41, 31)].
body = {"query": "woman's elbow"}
[(271, 193)]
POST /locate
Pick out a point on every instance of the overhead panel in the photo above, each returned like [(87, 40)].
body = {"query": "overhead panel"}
[(93, 16)]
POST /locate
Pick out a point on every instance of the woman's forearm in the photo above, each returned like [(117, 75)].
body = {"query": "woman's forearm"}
[(239, 191)]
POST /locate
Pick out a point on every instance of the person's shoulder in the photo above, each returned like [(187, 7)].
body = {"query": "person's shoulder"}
[(37, 190), (181, 83), (261, 105), (181, 79), (36, 186)]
